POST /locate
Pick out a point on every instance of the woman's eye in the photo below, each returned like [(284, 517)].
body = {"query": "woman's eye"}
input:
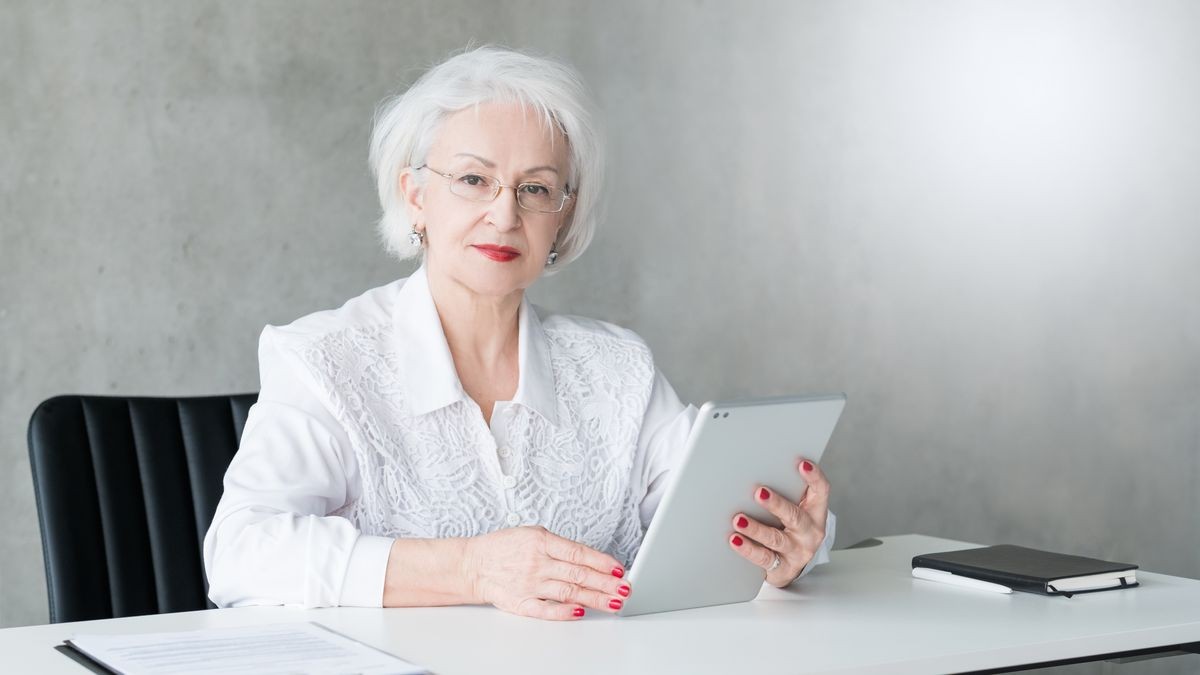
[(535, 189), (472, 179)]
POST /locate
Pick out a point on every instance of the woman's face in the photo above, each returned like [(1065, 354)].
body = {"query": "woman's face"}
[(511, 144)]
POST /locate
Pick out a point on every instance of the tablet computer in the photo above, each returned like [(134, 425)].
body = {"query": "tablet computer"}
[(685, 560)]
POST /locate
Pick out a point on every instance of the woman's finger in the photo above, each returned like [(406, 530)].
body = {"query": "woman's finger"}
[(770, 537), (753, 551), (570, 594), (816, 496), (577, 554), (587, 577), (552, 611), (779, 506), (760, 555)]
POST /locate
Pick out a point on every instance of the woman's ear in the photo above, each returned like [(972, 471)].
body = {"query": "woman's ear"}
[(412, 193)]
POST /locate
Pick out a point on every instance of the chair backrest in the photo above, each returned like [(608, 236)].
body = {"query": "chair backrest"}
[(126, 488)]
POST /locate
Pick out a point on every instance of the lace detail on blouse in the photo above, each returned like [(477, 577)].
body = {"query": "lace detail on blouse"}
[(438, 475)]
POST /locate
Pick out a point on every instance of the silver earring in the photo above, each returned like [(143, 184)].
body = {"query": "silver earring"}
[(416, 238), (553, 257)]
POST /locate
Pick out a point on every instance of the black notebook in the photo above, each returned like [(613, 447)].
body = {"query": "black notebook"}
[(1031, 570)]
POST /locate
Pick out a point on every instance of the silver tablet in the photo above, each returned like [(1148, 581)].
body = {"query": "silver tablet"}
[(685, 560)]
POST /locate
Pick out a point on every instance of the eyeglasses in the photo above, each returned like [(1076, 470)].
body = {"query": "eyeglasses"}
[(479, 187)]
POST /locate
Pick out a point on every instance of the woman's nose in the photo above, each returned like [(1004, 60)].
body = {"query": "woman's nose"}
[(504, 213)]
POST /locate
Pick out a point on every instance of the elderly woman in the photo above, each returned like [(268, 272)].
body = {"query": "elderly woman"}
[(439, 440)]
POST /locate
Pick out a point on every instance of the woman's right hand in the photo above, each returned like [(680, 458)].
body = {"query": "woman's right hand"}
[(533, 572)]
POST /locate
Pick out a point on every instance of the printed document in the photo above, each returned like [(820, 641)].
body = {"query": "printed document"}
[(271, 648)]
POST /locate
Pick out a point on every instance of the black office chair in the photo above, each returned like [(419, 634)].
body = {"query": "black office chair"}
[(126, 488)]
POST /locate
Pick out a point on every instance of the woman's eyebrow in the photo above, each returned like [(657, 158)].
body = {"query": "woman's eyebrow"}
[(544, 167), (491, 165), (486, 162)]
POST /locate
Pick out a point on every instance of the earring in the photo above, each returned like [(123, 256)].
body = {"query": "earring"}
[(553, 257), (416, 238)]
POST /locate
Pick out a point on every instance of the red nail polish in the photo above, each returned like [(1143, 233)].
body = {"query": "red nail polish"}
[(614, 603), (742, 522), (806, 465), (578, 611), (624, 590), (737, 541), (618, 572), (763, 494)]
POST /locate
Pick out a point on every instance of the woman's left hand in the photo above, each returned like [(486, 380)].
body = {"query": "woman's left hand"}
[(800, 538)]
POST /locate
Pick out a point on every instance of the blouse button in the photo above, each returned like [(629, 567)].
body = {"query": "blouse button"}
[(510, 482), (513, 520), (505, 452)]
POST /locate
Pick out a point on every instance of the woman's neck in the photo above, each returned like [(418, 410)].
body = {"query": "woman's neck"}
[(480, 330)]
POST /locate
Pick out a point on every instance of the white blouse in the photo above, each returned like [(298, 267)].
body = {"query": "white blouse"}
[(362, 433)]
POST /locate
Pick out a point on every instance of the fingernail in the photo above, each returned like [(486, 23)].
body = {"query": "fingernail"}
[(763, 494), (624, 590), (618, 572), (742, 522), (578, 611), (737, 541), (806, 465), (614, 603)]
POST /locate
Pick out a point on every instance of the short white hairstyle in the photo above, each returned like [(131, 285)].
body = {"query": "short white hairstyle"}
[(406, 124)]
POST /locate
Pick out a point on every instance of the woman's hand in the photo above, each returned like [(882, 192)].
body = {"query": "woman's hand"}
[(532, 572), (802, 534)]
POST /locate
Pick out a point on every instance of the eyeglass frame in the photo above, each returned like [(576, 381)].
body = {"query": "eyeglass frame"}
[(567, 194)]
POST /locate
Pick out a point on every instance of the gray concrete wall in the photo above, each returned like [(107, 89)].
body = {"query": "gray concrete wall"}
[(979, 219)]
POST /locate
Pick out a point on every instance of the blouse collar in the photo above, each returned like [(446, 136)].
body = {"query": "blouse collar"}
[(429, 368)]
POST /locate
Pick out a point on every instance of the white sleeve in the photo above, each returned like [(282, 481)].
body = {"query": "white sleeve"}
[(271, 541), (664, 434), (661, 442)]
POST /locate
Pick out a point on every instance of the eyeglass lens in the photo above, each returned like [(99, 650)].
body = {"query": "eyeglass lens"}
[(531, 196)]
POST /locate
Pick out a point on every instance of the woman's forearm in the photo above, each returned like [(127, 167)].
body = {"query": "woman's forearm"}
[(428, 572)]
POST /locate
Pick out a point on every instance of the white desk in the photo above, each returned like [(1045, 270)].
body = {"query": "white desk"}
[(862, 613)]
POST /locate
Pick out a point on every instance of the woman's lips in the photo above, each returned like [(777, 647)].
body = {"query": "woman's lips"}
[(498, 253)]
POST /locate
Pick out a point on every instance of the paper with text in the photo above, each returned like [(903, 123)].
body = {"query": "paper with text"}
[(271, 648)]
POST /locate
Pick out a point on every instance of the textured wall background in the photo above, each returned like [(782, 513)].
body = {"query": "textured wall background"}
[(979, 219)]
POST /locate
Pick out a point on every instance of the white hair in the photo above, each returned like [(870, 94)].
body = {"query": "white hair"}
[(405, 126)]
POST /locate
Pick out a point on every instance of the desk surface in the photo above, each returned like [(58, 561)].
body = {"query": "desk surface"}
[(862, 613)]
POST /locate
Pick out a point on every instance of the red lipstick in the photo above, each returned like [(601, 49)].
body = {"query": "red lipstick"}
[(498, 253)]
